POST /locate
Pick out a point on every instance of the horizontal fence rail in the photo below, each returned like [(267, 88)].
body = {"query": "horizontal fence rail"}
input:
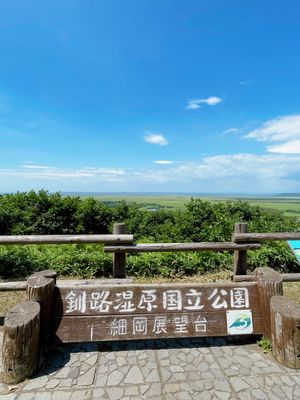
[(65, 239), (259, 237), (164, 247), (21, 285), (65, 283), (120, 243), (288, 277), (13, 286)]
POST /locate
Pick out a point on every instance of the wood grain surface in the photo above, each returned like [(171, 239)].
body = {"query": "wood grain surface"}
[(130, 312)]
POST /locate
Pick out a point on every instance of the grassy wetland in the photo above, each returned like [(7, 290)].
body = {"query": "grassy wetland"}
[(288, 204)]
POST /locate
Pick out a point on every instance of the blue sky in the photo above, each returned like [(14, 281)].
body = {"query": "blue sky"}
[(140, 95)]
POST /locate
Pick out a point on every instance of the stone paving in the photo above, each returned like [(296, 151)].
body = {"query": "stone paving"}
[(170, 370)]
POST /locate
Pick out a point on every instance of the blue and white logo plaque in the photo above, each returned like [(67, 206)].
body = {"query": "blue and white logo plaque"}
[(239, 322)]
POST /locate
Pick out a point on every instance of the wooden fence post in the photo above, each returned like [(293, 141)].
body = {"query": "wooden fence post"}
[(285, 323), (47, 273), (269, 284), (240, 256), (21, 334), (40, 289), (119, 259)]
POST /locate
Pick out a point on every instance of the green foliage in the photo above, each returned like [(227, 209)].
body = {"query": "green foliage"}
[(93, 217), (84, 261), (176, 264), (265, 344), (276, 255), (44, 213)]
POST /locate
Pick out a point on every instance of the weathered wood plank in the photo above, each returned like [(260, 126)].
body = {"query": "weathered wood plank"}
[(22, 285), (40, 289), (93, 282), (20, 351), (269, 284), (13, 286), (288, 277), (164, 247), (240, 256), (155, 298), (258, 237), (285, 322), (153, 326), (67, 239), (119, 258), (47, 273)]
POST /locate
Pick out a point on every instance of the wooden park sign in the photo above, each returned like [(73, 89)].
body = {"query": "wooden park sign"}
[(108, 312), (128, 312)]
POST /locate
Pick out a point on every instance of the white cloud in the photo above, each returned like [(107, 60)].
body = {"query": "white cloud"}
[(156, 138), (53, 173), (164, 162), (32, 166), (212, 101), (247, 166), (290, 147), (244, 173), (285, 130), (194, 104), (278, 130)]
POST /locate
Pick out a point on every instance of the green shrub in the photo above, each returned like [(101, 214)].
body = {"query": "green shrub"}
[(44, 213), (84, 261), (173, 264)]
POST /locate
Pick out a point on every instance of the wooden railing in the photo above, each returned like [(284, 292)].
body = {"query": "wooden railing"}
[(66, 239), (119, 243)]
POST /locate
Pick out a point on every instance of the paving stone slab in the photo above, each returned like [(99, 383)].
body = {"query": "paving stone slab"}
[(166, 369)]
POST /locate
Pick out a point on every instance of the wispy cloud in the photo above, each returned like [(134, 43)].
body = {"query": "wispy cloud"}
[(278, 129), (195, 104), (228, 173), (229, 131), (53, 173), (245, 82), (32, 166), (164, 162), (156, 138), (285, 129)]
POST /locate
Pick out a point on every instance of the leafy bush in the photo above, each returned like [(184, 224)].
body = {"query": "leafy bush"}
[(177, 264), (84, 261), (44, 213)]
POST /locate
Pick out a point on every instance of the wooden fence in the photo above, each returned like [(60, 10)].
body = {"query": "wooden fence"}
[(96, 310), (119, 243)]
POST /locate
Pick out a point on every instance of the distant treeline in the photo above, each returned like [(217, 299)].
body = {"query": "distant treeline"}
[(44, 213)]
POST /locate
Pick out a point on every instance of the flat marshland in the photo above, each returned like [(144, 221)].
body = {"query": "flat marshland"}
[(289, 205)]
